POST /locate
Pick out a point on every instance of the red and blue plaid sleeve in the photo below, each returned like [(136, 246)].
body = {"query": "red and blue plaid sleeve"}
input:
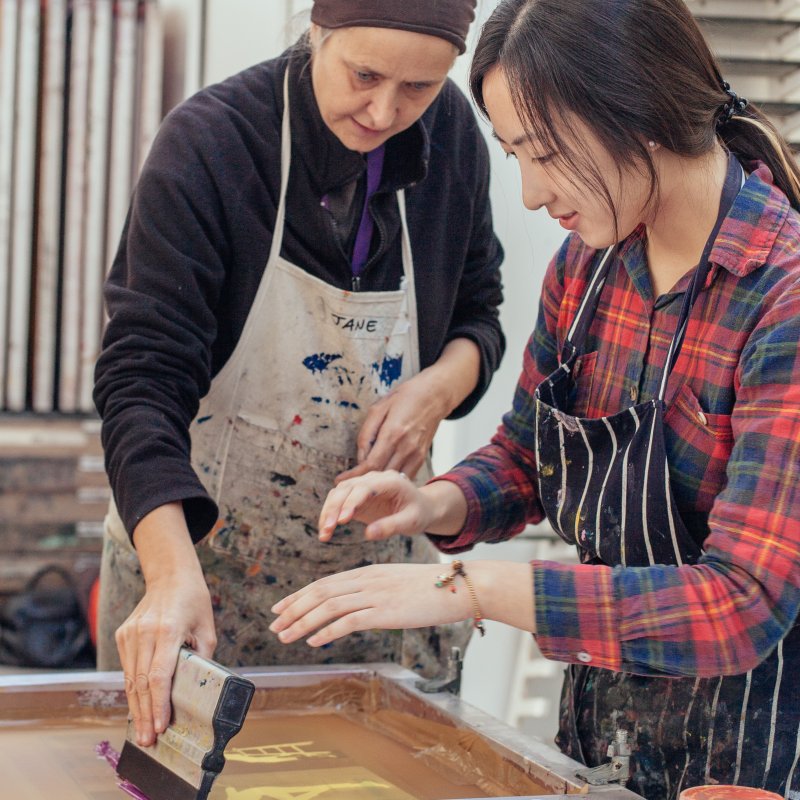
[(499, 480), (733, 443)]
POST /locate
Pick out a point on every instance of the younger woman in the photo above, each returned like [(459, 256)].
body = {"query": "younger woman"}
[(656, 419)]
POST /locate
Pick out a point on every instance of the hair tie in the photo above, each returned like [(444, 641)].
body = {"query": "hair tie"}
[(735, 105)]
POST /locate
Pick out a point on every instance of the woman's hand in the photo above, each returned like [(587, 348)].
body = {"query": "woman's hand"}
[(385, 596), (391, 505), (388, 502), (399, 596), (175, 610), (398, 430)]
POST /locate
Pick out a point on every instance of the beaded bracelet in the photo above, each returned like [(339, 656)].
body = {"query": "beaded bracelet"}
[(449, 581)]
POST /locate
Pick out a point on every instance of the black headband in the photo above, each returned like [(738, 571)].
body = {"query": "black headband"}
[(447, 19)]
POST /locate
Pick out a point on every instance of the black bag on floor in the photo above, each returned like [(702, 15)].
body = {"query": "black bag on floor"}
[(45, 626)]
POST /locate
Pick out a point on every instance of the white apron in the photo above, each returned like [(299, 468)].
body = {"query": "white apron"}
[(279, 422)]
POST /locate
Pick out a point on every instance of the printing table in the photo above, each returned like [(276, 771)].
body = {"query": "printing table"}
[(313, 733)]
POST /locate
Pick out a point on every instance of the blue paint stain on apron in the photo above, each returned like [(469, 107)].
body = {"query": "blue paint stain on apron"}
[(604, 485), (319, 362), (389, 370)]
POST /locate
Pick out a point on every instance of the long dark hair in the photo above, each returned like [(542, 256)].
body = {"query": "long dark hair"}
[(633, 71)]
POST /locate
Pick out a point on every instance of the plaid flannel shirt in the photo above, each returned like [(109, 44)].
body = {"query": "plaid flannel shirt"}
[(732, 431)]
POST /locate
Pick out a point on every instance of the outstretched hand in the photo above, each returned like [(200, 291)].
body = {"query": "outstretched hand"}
[(388, 502), (385, 596), (398, 430)]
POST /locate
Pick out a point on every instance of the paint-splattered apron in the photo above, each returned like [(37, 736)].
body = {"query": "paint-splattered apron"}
[(279, 422), (605, 487)]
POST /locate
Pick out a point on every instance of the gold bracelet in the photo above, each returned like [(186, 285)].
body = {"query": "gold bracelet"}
[(448, 581)]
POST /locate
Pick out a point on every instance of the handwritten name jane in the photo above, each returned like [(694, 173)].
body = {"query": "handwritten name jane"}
[(369, 325)]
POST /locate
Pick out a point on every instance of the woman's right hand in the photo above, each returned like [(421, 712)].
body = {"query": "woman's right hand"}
[(175, 610), (391, 505)]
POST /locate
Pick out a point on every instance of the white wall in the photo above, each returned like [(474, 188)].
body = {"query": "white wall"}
[(243, 32), (183, 48)]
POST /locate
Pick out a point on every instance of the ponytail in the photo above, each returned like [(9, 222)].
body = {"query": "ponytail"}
[(750, 136)]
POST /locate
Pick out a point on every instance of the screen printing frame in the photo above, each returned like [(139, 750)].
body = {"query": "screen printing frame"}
[(69, 694)]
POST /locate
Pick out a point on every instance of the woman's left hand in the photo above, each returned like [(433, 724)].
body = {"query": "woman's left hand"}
[(399, 429), (384, 596)]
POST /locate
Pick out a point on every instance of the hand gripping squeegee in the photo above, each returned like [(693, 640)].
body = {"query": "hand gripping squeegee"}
[(209, 704)]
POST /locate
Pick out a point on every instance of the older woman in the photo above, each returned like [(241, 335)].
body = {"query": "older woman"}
[(307, 285)]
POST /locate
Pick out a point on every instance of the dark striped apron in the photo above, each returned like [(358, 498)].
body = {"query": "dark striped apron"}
[(605, 487)]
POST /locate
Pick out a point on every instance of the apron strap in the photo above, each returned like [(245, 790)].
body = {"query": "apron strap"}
[(286, 160), (588, 307), (734, 180), (408, 283)]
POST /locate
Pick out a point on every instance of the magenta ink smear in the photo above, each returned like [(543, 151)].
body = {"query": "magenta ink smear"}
[(106, 751)]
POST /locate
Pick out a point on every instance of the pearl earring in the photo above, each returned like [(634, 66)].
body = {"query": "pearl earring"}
[(651, 144)]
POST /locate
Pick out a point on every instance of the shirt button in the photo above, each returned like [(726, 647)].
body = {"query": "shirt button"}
[(584, 657), (634, 393), (702, 417)]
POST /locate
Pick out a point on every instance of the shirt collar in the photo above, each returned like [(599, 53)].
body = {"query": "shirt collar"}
[(744, 242), (748, 234), (329, 163)]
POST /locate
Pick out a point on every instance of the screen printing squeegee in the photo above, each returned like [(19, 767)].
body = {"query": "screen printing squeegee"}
[(209, 704)]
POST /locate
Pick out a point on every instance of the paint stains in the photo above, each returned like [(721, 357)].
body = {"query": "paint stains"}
[(298, 420), (324, 401), (201, 420), (282, 480), (319, 362), (389, 370), (219, 527), (253, 570), (569, 423)]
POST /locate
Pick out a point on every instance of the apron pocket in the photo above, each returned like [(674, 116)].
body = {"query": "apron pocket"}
[(270, 503)]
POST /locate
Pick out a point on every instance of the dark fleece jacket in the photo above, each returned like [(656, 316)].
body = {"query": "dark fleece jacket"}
[(196, 243)]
